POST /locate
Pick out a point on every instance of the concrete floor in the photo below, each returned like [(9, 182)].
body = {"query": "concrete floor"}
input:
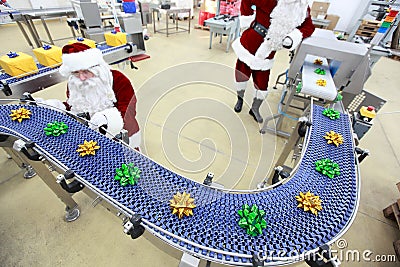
[(182, 80)]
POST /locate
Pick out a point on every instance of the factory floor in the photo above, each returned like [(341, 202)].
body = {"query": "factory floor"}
[(178, 89)]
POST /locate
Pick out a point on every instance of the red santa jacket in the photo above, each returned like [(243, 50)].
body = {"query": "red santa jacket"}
[(126, 101), (294, 23)]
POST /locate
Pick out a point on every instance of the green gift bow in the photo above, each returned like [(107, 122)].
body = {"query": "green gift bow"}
[(252, 219), (299, 87), (127, 174), (339, 97), (331, 113), (320, 71), (327, 167), (56, 128)]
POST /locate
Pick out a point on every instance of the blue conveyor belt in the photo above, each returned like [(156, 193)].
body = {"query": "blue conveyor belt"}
[(8, 79), (213, 232)]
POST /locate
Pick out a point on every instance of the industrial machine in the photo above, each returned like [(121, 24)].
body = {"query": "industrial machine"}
[(347, 66), (90, 22), (89, 19)]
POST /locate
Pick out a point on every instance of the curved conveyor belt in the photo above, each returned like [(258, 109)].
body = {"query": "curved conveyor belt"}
[(213, 232)]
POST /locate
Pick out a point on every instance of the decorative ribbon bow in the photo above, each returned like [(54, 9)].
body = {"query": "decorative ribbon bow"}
[(114, 32), (318, 61), (47, 47), (339, 97), (182, 204), (334, 138), (80, 39), (327, 167), (20, 114), (56, 128), (320, 71), (127, 174), (252, 219), (299, 87), (87, 148), (12, 54), (321, 82), (309, 202), (331, 113)]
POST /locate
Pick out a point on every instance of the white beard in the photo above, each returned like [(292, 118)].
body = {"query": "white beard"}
[(92, 95), (281, 25)]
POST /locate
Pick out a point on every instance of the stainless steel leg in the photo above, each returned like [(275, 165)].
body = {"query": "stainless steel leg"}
[(291, 90), (229, 41), (190, 18), (35, 31), (154, 22), (30, 172), (166, 22), (211, 36), (294, 137), (51, 182), (15, 156), (47, 30), (31, 31), (24, 33)]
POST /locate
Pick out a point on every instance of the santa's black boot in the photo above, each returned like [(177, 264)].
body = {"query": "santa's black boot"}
[(255, 110), (239, 103)]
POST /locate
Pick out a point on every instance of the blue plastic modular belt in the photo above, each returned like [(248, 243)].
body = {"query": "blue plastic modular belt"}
[(215, 221), (107, 49), (10, 79)]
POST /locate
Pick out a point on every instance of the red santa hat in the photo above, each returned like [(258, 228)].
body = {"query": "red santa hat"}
[(79, 56)]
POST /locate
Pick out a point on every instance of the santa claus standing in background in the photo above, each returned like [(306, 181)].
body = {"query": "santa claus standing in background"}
[(270, 25), (93, 87)]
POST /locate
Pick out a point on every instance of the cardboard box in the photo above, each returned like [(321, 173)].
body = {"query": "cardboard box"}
[(209, 6), (333, 21), (85, 41), (115, 39), (319, 9), (48, 57), (21, 65)]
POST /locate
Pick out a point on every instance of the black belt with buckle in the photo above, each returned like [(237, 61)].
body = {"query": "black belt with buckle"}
[(259, 28)]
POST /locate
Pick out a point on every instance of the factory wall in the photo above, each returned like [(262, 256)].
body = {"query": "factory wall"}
[(349, 12)]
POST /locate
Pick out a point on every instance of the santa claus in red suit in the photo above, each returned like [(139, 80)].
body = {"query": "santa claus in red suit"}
[(269, 25), (107, 95)]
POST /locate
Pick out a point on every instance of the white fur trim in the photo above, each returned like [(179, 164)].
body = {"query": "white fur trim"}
[(296, 37), (245, 21), (135, 140), (261, 64), (240, 86), (245, 56), (80, 61), (114, 120), (259, 94)]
